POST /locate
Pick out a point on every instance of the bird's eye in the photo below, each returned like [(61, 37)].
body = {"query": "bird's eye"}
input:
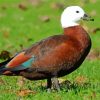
[(77, 11)]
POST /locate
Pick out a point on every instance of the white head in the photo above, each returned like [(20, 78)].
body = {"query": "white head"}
[(71, 15)]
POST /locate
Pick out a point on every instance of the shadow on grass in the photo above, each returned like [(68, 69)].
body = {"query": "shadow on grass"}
[(67, 86)]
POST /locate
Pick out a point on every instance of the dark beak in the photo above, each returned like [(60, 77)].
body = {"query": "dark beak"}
[(87, 18)]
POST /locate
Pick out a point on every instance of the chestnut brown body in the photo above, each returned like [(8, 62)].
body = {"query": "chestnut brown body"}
[(57, 55)]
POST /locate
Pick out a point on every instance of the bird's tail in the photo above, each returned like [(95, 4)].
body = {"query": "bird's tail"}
[(3, 66)]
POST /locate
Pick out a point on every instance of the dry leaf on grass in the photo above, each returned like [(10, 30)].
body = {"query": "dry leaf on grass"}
[(22, 7), (36, 2), (5, 30), (5, 55), (96, 30), (93, 1), (81, 80), (25, 92), (4, 7), (57, 5), (94, 54), (45, 18)]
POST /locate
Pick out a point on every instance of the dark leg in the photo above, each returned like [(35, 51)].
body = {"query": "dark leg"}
[(49, 83), (56, 83)]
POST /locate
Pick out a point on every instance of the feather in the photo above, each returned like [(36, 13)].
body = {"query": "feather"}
[(24, 65), (18, 60)]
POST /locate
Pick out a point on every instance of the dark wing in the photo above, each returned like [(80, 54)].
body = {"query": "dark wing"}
[(35, 53), (47, 45), (47, 53)]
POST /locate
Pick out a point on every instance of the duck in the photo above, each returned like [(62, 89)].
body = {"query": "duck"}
[(55, 56)]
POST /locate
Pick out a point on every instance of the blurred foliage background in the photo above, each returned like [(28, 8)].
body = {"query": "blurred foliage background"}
[(24, 22)]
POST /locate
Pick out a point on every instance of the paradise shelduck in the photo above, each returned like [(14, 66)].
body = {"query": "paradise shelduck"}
[(56, 55)]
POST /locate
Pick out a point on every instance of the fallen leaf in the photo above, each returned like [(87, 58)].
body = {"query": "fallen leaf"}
[(36, 2), (21, 46), (81, 80), (93, 1), (5, 55), (25, 92), (6, 34), (4, 7), (85, 1), (45, 18), (94, 54), (22, 7), (57, 5), (96, 30)]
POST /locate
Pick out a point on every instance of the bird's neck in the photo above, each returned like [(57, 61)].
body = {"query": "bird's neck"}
[(74, 31), (78, 33)]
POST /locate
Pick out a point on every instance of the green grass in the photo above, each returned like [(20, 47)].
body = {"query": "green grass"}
[(19, 27)]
